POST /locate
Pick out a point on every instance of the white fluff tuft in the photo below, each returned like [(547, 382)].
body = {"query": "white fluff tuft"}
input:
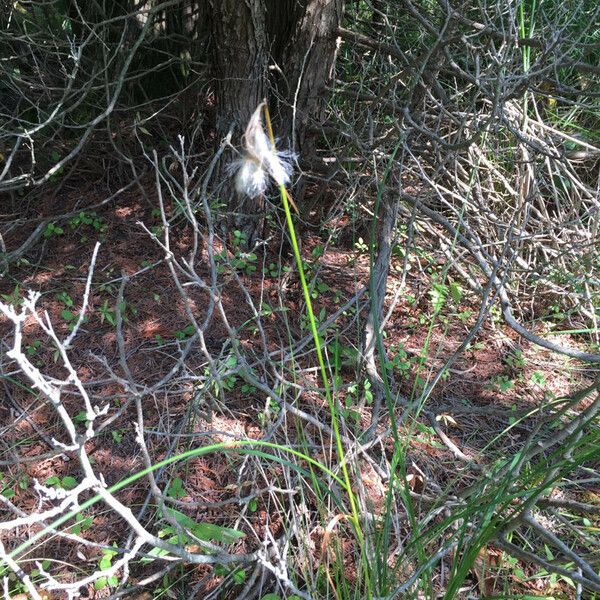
[(251, 178), (260, 160)]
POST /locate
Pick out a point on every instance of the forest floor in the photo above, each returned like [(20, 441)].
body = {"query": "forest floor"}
[(496, 381)]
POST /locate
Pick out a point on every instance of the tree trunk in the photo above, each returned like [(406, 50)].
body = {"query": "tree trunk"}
[(310, 58), (297, 38), (240, 67)]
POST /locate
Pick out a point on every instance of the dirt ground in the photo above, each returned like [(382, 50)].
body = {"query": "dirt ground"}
[(498, 377)]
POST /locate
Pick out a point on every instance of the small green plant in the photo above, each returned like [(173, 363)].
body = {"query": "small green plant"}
[(515, 360), (176, 489), (317, 288), (110, 316), (33, 348), (226, 380), (65, 299), (248, 389), (271, 270), (55, 158), (238, 575), (53, 230), (241, 261), (117, 435), (354, 392), (108, 286), (104, 564), (305, 320), (106, 314), (274, 270), (80, 417), (70, 317), (15, 586), (456, 292), (351, 400), (538, 378), (464, 315), (90, 219), (15, 298), (8, 484), (438, 294), (82, 523), (272, 409), (64, 483), (400, 361), (502, 383), (185, 333), (348, 355), (194, 531), (317, 252), (361, 246), (474, 347)]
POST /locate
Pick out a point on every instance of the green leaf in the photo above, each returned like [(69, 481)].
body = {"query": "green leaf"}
[(100, 583), (66, 314), (82, 524), (438, 296), (80, 417), (210, 532), (155, 552), (176, 489), (206, 531), (456, 292), (181, 518), (538, 378), (187, 331), (69, 482), (239, 576)]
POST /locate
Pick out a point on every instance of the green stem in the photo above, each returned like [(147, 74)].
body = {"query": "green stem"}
[(313, 327)]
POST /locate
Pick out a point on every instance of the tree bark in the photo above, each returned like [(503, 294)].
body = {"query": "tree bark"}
[(297, 37), (311, 59), (240, 67)]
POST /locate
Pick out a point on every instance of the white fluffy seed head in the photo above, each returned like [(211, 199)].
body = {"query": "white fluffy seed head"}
[(260, 160), (250, 179)]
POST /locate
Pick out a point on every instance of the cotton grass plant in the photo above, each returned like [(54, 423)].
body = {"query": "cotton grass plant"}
[(261, 162), (279, 170)]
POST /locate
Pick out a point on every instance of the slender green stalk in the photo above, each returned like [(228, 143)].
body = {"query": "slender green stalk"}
[(313, 327)]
